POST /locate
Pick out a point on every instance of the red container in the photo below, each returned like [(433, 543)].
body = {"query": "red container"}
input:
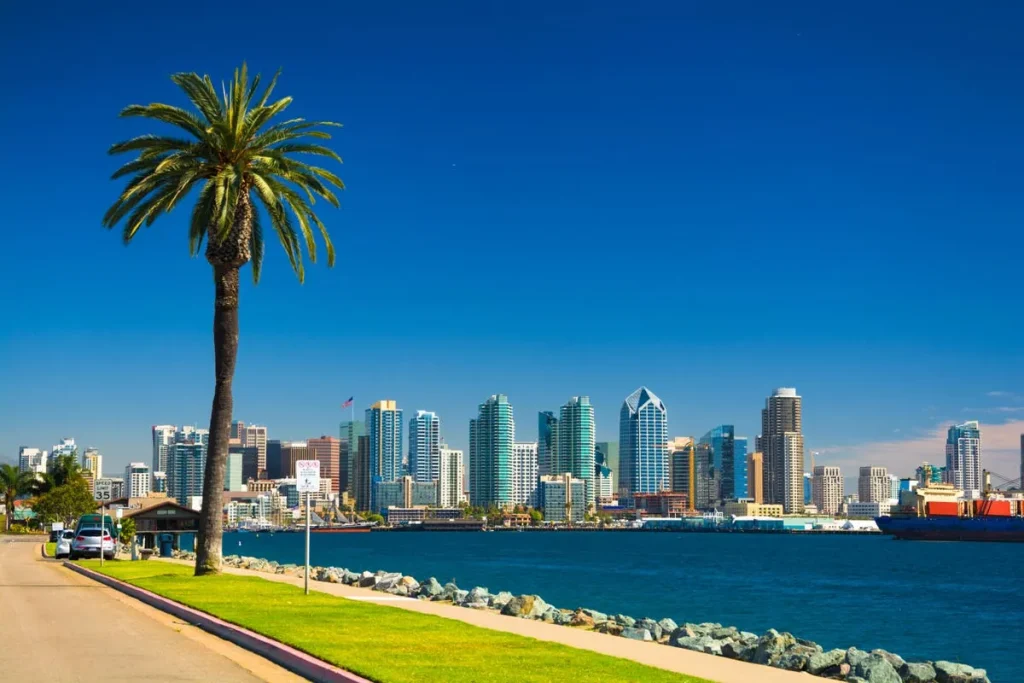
[(943, 509), (992, 508)]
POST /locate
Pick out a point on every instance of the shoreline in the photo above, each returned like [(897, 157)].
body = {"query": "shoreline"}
[(772, 648)]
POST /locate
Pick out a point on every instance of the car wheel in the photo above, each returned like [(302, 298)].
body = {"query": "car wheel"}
[(72, 557), (108, 556)]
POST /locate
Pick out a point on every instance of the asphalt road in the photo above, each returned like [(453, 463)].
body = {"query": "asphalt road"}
[(58, 626)]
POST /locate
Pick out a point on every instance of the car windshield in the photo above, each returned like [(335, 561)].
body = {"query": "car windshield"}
[(68, 534), (89, 532)]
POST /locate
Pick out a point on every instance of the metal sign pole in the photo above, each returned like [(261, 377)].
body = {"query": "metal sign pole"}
[(103, 527), (307, 542)]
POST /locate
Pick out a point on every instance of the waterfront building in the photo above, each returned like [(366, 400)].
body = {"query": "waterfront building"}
[(680, 452), (406, 492), (576, 443), (782, 444), (256, 436), (275, 468), (547, 444), (237, 431), (727, 476), (643, 435), (745, 507), (32, 460), (233, 472), (425, 446), (327, 449), (563, 498), (361, 474), (703, 486), (65, 447), (450, 483), (662, 504), (491, 436), (92, 461), (868, 510), (1020, 482), (524, 474), (249, 461), (808, 487), (873, 485), (827, 489), (186, 466), (159, 482), (351, 430), (608, 451), (755, 476), (605, 485), (907, 484), (137, 480), (291, 453), (894, 487), (963, 458), (384, 429)]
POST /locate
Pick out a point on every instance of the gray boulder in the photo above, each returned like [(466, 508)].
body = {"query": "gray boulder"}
[(431, 588), (854, 656), (500, 600), (721, 633), (609, 627), (796, 658), (564, 617), (598, 617), (950, 672), (478, 594), (771, 646), (697, 644), (625, 621), (823, 663), (525, 606), (917, 672), (652, 626), (890, 657), (367, 580), (449, 591), (735, 650), (636, 633), (460, 597), (876, 669), (713, 648), (667, 626)]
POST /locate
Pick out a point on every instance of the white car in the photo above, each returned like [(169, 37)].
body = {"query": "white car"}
[(64, 539), (90, 542)]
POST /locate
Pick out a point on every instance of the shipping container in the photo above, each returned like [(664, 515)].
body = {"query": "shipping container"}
[(943, 509), (992, 508)]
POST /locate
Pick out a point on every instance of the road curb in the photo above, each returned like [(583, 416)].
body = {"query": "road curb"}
[(294, 660), (42, 549)]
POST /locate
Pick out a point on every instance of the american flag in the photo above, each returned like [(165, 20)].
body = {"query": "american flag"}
[(347, 403)]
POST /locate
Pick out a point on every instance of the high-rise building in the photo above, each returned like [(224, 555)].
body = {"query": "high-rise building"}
[(361, 473), (384, 427), (256, 435), (827, 489), (704, 486), (1020, 482), (93, 462), (238, 431), (604, 476), (186, 465), (643, 434), (576, 443), (873, 485), (609, 452), (524, 474), (755, 477), (491, 436), (782, 444), (808, 488), (327, 449), (137, 480), (963, 458), (727, 469), (927, 474), (894, 487), (159, 482), (249, 462), (351, 430), (563, 498), (425, 446), (680, 451), (547, 443), (233, 480), (403, 493), (66, 447), (450, 482), (292, 452), (276, 469), (31, 460)]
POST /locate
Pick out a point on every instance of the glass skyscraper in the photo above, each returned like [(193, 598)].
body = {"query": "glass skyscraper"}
[(963, 457), (547, 444), (576, 443), (491, 436), (643, 439), (727, 468), (384, 432), (425, 446)]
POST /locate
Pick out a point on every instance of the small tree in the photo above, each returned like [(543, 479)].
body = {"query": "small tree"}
[(127, 530), (65, 503), (536, 517)]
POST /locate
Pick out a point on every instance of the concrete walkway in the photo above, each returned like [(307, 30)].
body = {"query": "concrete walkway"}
[(58, 626), (676, 659)]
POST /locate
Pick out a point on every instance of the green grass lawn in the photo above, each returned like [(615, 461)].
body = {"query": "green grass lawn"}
[(51, 549), (384, 644)]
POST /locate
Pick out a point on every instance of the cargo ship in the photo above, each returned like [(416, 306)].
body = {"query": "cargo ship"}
[(935, 513)]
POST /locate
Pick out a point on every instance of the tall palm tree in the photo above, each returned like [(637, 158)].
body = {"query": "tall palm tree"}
[(238, 160), (13, 483), (66, 469)]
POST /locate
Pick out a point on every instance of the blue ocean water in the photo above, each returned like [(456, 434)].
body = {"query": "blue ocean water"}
[(921, 600)]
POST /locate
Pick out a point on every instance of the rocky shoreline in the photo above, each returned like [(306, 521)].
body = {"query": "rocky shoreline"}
[(772, 648)]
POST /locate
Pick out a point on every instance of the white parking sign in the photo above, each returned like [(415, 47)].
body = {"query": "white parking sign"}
[(307, 476)]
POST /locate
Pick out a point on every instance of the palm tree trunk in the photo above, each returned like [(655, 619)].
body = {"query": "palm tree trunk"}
[(225, 346)]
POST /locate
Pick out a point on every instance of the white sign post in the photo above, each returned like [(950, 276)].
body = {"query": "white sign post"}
[(307, 479), (103, 493)]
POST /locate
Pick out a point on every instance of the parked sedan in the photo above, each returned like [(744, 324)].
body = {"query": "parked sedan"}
[(88, 543), (64, 540)]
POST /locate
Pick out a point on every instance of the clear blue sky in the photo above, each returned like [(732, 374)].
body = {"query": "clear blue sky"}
[(544, 199)]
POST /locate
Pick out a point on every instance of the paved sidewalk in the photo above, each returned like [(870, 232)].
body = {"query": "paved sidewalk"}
[(58, 626), (676, 659)]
